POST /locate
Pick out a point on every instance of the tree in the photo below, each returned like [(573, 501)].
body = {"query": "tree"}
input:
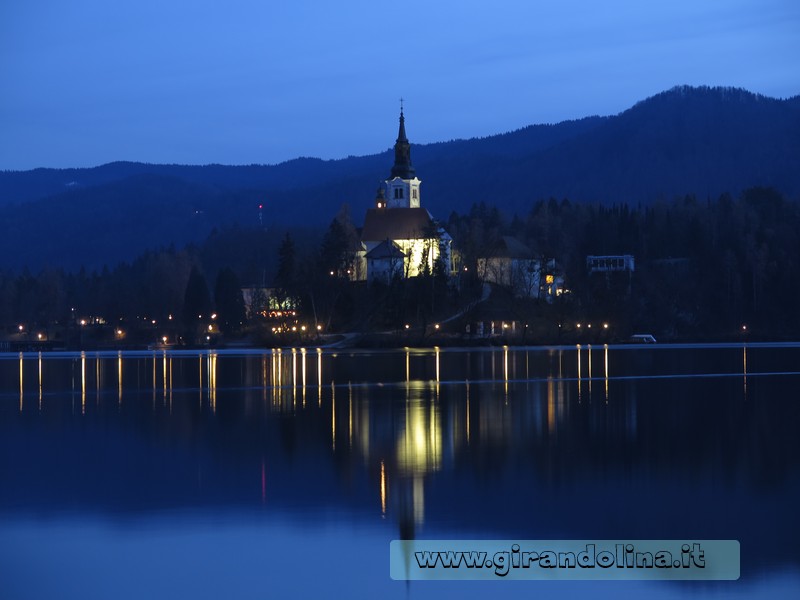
[(286, 277), (333, 253), (196, 299), (229, 301)]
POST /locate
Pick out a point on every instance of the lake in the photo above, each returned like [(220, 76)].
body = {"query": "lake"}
[(286, 473)]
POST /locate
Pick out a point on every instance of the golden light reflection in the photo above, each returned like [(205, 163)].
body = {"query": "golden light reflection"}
[(383, 489), (164, 373), (436, 354), (20, 382), (744, 369), (605, 371), (419, 447), (83, 383), (294, 378), (408, 365), (40, 382), (319, 376), (589, 352), (505, 373), (212, 380), (333, 416), (119, 378), (579, 372), (551, 406), (277, 377), (303, 370), (170, 385)]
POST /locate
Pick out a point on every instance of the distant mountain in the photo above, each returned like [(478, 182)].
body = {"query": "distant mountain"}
[(702, 141)]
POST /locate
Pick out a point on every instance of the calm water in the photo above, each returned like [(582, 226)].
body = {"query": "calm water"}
[(287, 473)]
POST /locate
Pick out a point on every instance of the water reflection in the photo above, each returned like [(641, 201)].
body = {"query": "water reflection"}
[(119, 379), (212, 380), (506, 441), (83, 383), (744, 370), (21, 389)]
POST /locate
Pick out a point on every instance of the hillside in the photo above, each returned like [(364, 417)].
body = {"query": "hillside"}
[(703, 141)]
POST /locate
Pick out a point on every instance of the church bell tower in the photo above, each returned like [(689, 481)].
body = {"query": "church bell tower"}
[(402, 186)]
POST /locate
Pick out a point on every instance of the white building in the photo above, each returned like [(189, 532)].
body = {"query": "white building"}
[(385, 262), (513, 265), (398, 217)]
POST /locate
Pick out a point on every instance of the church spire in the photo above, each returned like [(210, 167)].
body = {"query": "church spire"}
[(402, 152)]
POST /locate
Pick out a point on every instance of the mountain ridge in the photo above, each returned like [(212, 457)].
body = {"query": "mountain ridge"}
[(686, 140)]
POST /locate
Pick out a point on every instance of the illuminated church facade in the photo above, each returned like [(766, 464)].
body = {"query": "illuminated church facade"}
[(401, 237)]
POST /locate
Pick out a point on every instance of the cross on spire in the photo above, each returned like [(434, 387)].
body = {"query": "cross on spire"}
[(402, 151)]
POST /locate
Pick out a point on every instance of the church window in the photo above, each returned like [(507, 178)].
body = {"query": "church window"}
[(414, 193), (398, 193)]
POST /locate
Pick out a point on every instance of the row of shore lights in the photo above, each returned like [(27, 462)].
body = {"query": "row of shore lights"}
[(589, 325), (294, 328)]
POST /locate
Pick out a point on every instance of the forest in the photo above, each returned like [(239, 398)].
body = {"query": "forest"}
[(705, 141), (706, 269)]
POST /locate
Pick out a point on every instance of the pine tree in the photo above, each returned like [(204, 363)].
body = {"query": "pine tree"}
[(229, 301), (196, 300)]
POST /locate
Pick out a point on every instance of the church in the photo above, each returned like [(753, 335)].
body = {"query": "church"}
[(400, 237)]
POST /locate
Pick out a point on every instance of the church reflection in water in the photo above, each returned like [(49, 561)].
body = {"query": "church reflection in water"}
[(405, 418)]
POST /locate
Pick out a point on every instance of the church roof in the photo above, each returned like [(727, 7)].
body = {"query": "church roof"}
[(511, 247), (402, 153), (386, 249), (396, 224)]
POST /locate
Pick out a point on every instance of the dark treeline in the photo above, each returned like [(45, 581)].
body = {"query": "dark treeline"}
[(704, 268)]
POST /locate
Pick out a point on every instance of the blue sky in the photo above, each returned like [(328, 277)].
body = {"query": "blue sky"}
[(85, 82)]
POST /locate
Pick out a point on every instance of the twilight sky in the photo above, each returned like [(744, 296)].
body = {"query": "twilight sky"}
[(85, 82)]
